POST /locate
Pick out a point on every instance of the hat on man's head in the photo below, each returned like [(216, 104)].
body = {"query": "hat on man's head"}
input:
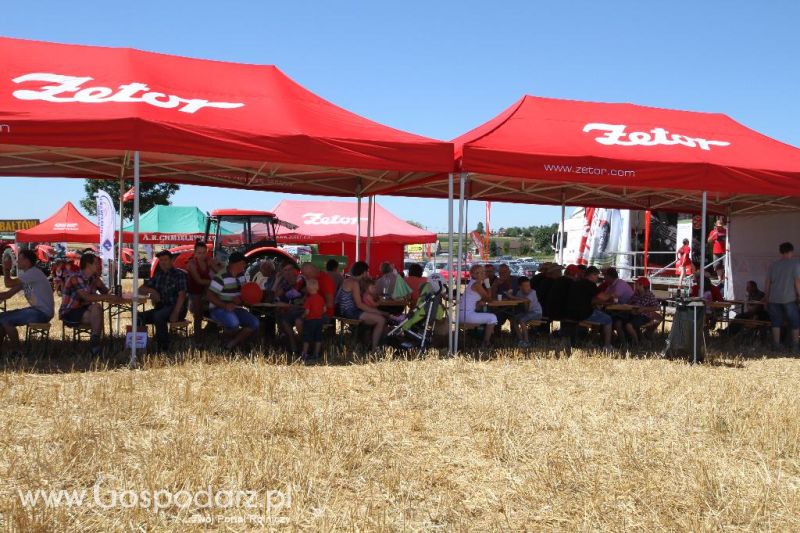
[(572, 270), (237, 257), (644, 282)]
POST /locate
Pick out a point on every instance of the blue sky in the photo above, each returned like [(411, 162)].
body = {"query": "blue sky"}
[(441, 68)]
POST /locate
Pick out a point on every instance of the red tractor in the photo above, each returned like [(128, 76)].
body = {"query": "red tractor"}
[(250, 232)]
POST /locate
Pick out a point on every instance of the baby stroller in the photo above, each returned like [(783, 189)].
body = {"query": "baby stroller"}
[(418, 326)]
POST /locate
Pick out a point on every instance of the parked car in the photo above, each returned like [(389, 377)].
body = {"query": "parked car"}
[(440, 267), (528, 269)]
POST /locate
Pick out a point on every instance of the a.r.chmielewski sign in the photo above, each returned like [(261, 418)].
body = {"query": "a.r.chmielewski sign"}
[(10, 226)]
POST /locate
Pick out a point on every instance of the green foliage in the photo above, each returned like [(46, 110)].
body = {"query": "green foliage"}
[(415, 224), (150, 195), (480, 229)]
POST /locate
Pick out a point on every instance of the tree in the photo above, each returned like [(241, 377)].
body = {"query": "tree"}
[(479, 228), (150, 195), (415, 224)]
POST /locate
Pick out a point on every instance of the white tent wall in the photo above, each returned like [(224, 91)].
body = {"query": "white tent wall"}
[(754, 241)]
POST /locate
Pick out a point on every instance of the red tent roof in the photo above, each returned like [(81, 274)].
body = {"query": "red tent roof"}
[(545, 150), (78, 111), (326, 222), (66, 225)]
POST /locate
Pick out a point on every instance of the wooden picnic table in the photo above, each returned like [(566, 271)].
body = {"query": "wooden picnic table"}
[(115, 309), (272, 305), (505, 303), (392, 303)]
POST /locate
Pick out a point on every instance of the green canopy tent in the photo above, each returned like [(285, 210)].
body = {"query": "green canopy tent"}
[(169, 224)]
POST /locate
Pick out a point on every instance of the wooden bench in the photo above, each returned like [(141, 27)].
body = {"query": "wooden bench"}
[(538, 323), (37, 331), (78, 330), (751, 323), (352, 324), (180, 327)]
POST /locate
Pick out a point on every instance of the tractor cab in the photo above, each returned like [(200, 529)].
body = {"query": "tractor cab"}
[(254, 233)]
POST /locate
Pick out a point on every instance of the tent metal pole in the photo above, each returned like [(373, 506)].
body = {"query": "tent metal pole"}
[(450, 350), (370, 204), (121, 221), (702, 289), (561, 233), (358, 228), (135, 299), (457, 275), (120, 243)]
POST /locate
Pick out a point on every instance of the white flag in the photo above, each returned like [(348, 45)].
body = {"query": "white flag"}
[(106, 219)]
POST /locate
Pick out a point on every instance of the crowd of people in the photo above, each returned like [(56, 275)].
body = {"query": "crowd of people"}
[(574, 295), (306, 298)]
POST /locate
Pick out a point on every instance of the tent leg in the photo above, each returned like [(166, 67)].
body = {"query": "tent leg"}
[(135, 300), (370, 204), (730, 293), (702, 289), (358, 228), (561, 234), (119, 242), (450, 350), (457, 275)]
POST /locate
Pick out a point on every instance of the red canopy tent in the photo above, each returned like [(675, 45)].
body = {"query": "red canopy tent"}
[(80, 111), (333, 226), (66, 225), (550, 151), (96, 112)]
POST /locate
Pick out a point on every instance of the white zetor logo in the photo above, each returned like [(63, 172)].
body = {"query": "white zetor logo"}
[(59, 89), (66, 226), (616, 134), (315, 219)]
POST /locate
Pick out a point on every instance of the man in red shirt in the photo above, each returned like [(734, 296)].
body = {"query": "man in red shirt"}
[(314, 310), (718, 237)]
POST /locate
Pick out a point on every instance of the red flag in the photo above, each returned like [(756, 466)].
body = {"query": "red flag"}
[(128, 196)]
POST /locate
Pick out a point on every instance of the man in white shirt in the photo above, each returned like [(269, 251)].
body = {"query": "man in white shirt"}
[(38, 292)]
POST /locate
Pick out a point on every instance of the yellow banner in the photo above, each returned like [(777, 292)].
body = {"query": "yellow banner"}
[(10, 226)]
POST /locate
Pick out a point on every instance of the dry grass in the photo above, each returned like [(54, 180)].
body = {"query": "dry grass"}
[(583, 443), (516, 443)]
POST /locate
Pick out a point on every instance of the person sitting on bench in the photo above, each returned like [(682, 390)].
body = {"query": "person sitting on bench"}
[(167, 289), (533, 310), (224, 297), (583, 296), (647, 321), (82, 294), (478, 293), (38, 292), (350, 303)]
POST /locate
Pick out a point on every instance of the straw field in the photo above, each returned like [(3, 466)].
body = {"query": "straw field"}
[(519, 442)]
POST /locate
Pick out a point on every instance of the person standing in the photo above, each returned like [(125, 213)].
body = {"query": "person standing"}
[(314, 309), (718, 237), (683, 262), (782, 291), (198, 279), (37, 290)]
